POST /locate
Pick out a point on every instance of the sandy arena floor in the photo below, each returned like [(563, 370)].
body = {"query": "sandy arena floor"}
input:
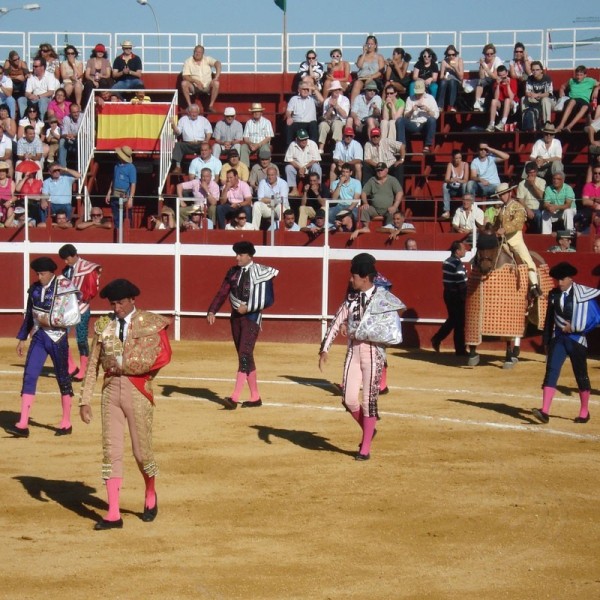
[(465, 496)]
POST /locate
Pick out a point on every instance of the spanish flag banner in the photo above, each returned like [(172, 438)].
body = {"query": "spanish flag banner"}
[(135, 125)]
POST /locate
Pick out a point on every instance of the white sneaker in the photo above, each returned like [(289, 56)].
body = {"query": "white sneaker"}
[(490, 127), (477, 106), (500, 126)]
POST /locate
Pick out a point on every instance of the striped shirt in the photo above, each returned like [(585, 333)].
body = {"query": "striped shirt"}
[(257, 131), (454, 274)]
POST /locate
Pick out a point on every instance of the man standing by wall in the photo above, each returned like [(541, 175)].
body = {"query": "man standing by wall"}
[(454, 279)]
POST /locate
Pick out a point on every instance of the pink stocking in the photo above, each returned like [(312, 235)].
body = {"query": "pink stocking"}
[(26, 404), (240, 380), (253, 385), (368, 429), (584, 397), (357, 416), (113, 487), (66, 408), (72, 365), (383, 382), (547, 397), (83, 367), (150, 501)]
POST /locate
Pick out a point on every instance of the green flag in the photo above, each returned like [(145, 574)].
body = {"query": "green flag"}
[(281, 4)]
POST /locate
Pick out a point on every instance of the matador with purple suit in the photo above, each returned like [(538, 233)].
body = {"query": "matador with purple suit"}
[(52, 307), (250, 290)]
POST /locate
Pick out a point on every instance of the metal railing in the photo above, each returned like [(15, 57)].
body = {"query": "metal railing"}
[(264, 52)]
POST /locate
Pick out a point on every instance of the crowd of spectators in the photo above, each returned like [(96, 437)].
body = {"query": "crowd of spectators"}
[(358, 120)]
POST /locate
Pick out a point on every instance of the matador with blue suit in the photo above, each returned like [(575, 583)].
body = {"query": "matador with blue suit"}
[(572, 314)]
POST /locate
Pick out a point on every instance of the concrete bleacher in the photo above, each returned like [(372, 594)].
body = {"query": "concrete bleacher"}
[(423, 174)]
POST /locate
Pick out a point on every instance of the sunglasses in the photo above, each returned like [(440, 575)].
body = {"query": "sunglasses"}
[(67, 53), (490, 53), (311, 57), (96, 214), (451, 54), (243, 217), (519, 51)]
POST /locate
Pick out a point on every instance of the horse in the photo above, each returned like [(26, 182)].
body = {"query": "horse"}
[(499, 301)]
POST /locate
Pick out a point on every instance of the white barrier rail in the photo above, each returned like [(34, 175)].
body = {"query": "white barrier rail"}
[(264, 52)]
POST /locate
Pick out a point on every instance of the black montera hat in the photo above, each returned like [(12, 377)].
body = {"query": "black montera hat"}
[(118, 289), (363, 264), (43, 263), (562, 270), (244, 248)]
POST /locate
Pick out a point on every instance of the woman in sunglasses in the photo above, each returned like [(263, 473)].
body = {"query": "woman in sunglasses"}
[(426, 68), (488, 65), (337, 70), (451, 77), (47, 52), (18, 71), (71, 72), (311, 71)]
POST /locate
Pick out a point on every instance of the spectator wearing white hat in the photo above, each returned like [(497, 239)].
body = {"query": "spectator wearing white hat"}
[(127, 69), (228, 134), (258, 133), (336, 110)]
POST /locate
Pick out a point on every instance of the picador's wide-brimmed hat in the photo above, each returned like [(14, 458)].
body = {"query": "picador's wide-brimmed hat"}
[(562, 270), (118, 289)]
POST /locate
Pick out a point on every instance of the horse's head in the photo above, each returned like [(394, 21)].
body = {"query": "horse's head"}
[(487, 252)]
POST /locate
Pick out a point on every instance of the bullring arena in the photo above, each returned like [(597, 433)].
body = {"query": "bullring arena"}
[(466, 495)]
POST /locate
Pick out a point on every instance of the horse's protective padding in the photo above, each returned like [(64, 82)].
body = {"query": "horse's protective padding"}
[(497, 303)]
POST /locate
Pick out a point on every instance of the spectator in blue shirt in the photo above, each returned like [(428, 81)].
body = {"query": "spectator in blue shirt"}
[(123, 184), (58, 190)]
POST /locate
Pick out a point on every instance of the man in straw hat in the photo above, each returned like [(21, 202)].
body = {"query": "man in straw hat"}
[(52, 307), (250, 290), (258, 133), (572, 313), (509, 226), (547, 153), (131, 345), (363, 313), (123, 184)]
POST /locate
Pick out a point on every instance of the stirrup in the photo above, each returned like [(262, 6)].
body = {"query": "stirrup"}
[(535, 291)]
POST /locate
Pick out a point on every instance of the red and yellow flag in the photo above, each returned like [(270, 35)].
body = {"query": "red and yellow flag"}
[(135, 125)]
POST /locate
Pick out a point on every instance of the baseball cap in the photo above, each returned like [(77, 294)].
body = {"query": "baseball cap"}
[(380, 166), (349, 131), (302, 134)]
